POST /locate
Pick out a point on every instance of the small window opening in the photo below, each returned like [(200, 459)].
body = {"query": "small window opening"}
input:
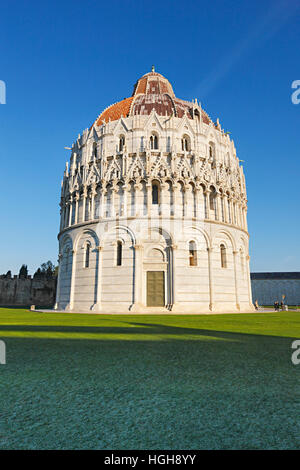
[(223, 256), (87, 256), (154, 194), (119, 253), (192, 254)]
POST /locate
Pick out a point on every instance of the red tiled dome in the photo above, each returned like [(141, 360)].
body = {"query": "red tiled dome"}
[(151, 91), (153, 83)]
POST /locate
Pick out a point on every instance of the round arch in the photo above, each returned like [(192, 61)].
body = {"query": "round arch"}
[(228, 235), (89, 232)]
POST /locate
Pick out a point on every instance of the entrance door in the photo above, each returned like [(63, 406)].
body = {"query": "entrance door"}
[(155, 289)]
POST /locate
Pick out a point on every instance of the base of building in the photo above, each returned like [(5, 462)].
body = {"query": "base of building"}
[(169, 309)]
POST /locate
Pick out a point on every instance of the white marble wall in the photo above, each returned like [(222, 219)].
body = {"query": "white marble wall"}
[(104, 286), (107, 197)]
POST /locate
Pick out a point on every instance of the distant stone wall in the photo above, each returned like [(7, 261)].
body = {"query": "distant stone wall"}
[(39, 291), (269, 287)]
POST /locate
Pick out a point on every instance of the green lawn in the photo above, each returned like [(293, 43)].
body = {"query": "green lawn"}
[(76, 381)]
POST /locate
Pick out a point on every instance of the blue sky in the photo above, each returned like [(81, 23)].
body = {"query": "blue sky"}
[(63, 62)]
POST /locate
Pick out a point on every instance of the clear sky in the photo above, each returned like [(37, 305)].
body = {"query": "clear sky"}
[(63, 62)]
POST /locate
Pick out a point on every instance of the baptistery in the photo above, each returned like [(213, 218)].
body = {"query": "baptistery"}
[(154, 211)]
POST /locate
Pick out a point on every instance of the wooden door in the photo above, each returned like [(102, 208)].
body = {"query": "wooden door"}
[(155, 289)]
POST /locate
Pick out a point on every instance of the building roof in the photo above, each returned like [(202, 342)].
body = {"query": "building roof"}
[(115, 111), (151, 91), (280, 276)]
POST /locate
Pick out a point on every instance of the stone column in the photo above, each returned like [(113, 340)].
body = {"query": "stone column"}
[(225, 206), (76, 206), (173, 282), (236, 280), (61, 213), (248, 279), (149, 198), (93, 194), (165, 206), (231, 210), (235, 215), (210, 279), (112, 201), (161, 198), (84, 195), (97, 306), (222, 208), (58, 282), (240, 221), (245, 219), (138, 277), (218, 206), (176, 210), (199, 203), (138, 190), (102, 203), (241, 215), (237, 211), (187, 202), (125, 201), (70, 211), (72, 287), (65, 213), (206, 204)]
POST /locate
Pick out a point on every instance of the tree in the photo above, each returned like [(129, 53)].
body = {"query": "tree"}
[(23, 273), (46, 269), (38, 273)]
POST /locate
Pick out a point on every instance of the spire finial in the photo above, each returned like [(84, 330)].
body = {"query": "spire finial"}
[(153, 68)]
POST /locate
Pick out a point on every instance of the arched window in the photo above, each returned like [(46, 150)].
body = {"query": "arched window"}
[(212, 199), (153, 142), (154, 194), (87, 256), (223, 256), (186, 143), (192, 254), (119, 253), (121, 143)]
